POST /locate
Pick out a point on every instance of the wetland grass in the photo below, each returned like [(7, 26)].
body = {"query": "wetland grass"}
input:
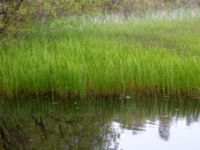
[(84, 58)]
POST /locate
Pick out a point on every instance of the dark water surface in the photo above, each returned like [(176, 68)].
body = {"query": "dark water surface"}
[(100, 125)]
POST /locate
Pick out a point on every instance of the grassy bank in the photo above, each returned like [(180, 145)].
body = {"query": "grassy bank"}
[(79, 58)]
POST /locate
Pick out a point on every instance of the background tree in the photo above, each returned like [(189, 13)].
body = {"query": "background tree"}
[(8, 9)]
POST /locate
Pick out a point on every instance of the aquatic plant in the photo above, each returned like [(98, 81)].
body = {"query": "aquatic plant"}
[(72, 57)]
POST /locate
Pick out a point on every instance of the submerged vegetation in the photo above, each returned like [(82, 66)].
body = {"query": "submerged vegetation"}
[(94, 57)]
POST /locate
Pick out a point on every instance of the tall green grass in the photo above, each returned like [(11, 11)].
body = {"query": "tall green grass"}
[(72, 57)]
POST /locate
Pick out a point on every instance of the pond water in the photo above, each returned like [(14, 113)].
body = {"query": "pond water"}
[(99, 124)]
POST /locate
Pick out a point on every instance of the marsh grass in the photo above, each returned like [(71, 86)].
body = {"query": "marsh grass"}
[(72, 57)]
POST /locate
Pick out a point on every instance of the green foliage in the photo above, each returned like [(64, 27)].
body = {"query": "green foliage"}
[(86, 58), (44, 8), (8, 14), (47, 9)]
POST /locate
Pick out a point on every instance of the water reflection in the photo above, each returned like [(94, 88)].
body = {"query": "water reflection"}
[(164, 127), (99, 124), (182, 137)]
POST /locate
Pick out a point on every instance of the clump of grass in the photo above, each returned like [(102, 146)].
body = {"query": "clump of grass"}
[(83, 58)]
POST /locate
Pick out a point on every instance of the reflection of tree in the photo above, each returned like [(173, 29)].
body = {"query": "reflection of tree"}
[(63, 126), (164, 127), (46, 126), (52, 132)]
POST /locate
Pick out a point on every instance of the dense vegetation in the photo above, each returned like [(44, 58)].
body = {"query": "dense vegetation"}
[(43, 8), (71, 57), (15, 12), (88, 48)]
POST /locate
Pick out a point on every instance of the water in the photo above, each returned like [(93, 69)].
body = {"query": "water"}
[(100, 125)]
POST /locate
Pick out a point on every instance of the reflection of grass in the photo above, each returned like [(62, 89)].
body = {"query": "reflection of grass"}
[(100, 110), (83, 58), (139, 112), (83, 124)]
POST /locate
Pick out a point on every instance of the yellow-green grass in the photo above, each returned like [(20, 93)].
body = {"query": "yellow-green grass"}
[(82, 58)]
